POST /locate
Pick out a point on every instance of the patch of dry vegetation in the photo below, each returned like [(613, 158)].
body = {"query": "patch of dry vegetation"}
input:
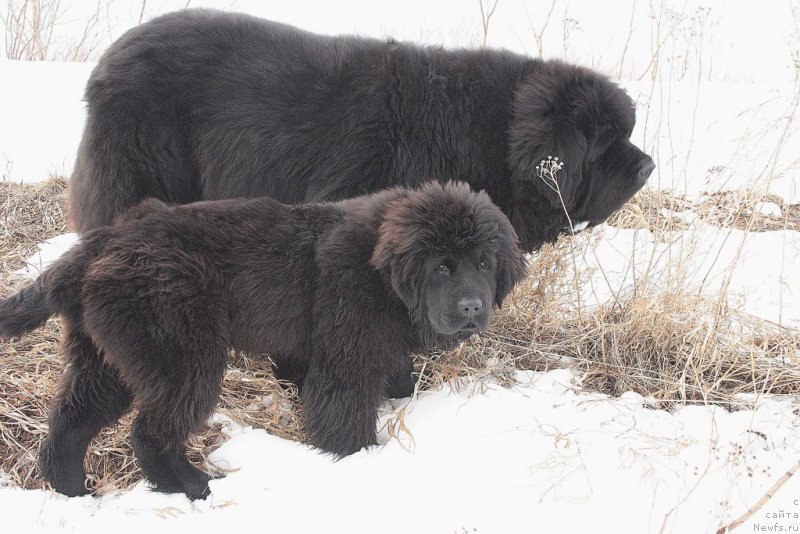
[(744, 209), (29, 215), (655, 210), (669, 345)]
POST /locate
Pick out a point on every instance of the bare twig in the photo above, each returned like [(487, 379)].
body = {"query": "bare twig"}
[(569, 25), (30, 31), (89, 40), (627, 40), (486, 16), (762, 501), (538, 36)]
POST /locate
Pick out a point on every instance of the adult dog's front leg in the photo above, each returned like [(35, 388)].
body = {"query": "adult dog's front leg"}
[(340, 411)]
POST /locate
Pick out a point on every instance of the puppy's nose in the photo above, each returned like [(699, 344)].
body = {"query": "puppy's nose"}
[(470, 307), (646, 169)]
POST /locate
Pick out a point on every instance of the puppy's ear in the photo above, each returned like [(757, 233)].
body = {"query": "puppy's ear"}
[(404, 274), (511, 266)]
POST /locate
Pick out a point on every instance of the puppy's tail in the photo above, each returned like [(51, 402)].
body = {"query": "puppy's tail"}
[(56, 291), (25, 311)]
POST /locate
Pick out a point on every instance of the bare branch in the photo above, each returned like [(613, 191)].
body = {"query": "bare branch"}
[(627, 41), (538, 36), (762, 501), (30, 31), (486, 15)]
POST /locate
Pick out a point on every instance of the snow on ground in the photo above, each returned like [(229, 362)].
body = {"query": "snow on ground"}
[(47, 253), (541, 457), (758, 268), (42, 118), (716, 136)]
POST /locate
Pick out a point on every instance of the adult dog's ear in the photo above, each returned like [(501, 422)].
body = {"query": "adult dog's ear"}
[(511, 266), (547, 146)]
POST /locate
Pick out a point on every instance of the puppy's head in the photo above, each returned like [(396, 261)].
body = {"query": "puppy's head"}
[(451, 255)]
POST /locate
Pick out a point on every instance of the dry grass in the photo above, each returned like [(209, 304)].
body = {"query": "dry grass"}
[(661, 341), (659, 211), (740, 209), (29, 215), (654, 210)]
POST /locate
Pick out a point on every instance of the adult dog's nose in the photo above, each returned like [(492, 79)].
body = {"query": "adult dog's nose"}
[(470, 307), (646, 169)]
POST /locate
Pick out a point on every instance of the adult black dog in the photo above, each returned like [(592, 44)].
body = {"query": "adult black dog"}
[(211, 105), (344, 291)]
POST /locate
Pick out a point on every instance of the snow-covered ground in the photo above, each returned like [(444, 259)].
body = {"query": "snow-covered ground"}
[(759, 268), (546, 455), (42, 118), (540, 457)]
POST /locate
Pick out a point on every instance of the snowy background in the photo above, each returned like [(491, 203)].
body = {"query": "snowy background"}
[(716, 88)]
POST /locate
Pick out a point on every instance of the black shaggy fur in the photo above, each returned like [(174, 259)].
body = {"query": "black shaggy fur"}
[(340, 292), (204, 104)]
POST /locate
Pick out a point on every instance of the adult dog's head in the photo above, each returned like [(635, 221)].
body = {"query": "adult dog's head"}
[(451, 255), (570, 153)]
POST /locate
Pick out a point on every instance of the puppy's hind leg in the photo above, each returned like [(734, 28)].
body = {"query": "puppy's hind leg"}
[(90, 397), (175, 402)]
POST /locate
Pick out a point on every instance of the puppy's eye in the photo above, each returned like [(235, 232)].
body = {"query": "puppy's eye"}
[(442, 268), (482, 266)]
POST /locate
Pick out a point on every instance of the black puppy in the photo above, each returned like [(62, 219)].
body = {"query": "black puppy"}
[(341, 293)]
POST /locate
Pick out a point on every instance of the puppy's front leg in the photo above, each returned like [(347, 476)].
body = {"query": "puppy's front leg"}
[(341, 411), (401, 382)]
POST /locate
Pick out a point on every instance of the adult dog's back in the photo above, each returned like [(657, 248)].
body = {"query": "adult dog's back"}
[(210, 105)]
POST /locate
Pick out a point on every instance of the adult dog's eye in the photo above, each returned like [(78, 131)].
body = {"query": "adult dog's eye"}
[(442, 268)]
